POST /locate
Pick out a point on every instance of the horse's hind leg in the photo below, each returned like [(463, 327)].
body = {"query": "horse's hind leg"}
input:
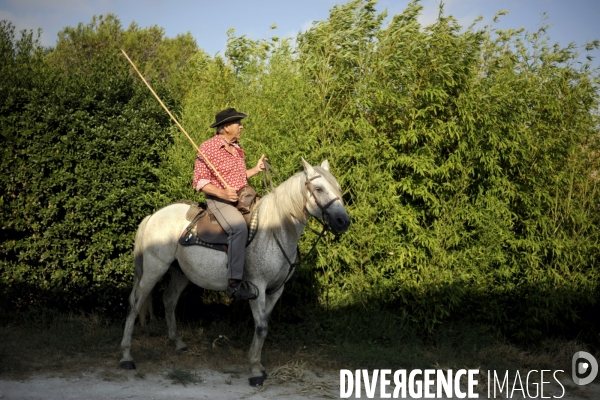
[(152, 272), (178, 282)]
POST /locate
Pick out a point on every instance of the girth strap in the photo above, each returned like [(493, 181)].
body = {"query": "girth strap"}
[(299, 258)]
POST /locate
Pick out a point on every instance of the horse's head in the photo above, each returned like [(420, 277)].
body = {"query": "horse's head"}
[(323, 197)]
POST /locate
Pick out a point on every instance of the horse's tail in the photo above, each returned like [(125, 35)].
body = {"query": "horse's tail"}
[(138, 271)]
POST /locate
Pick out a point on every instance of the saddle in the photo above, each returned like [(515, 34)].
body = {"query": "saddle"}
[(204, 229)]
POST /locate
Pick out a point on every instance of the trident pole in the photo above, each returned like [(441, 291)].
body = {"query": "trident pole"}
[(177, 122)]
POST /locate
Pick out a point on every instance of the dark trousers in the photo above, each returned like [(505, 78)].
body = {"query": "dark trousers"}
[(233, 223)]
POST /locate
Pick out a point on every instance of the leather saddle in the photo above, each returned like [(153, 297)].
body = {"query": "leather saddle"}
[(204, 229)]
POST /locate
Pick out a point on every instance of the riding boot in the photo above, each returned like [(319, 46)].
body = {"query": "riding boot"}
[(242, 290)]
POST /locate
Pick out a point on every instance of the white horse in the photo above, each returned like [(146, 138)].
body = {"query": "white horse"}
[(282, 216)]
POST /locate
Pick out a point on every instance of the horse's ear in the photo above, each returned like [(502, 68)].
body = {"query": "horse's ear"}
[(325, 165), (307, 167)]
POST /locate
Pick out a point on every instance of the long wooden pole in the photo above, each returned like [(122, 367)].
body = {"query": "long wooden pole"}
[(177, 122)]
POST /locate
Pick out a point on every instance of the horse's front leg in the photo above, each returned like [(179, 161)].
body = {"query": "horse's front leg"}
[(261, 310)]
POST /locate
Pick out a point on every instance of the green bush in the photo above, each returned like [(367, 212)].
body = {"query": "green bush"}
[(82, 142)]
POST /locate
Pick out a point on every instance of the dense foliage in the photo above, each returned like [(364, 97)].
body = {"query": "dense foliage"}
[(81, 143), (468, 159)]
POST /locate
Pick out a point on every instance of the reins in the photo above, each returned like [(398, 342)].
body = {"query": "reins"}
[(268, 173), (299, 258)]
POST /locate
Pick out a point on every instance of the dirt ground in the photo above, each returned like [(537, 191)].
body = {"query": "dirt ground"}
[(76, 357), (207, 384), (126, 385)]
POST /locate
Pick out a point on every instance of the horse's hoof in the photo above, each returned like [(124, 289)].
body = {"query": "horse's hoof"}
[(182, 350), (257, 380), (127, 365)]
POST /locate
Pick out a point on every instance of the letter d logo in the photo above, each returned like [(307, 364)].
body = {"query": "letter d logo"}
[(581, 368)]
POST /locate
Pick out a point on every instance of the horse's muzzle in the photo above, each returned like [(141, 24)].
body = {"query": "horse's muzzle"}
[(338, 220)]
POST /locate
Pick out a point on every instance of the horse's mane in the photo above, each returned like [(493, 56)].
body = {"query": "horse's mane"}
[(285, 204)]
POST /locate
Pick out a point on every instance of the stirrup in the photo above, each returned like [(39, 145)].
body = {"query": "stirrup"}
[(244, 290)]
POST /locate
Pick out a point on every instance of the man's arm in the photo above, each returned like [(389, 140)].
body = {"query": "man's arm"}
[(228, 194), (202, 183)]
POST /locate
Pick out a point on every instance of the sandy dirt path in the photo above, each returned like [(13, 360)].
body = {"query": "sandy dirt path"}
[(211, 385), (126, 385)]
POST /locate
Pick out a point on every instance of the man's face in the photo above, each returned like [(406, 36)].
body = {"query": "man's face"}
[(234, 131)]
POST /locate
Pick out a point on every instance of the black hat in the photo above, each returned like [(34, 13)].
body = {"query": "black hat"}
[(227, 116)]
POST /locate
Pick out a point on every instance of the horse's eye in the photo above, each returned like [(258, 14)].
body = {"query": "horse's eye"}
[(319, 189)]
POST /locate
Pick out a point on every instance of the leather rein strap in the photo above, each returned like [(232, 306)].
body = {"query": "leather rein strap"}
[(268, 174)]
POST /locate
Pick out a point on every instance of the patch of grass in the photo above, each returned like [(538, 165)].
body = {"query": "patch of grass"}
[(45, 341), (140, 375), (112, 375), (296, 373), (183, 377)]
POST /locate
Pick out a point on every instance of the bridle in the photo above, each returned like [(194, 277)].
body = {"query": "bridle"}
[(324, 224), (267, 175), (323, 208)]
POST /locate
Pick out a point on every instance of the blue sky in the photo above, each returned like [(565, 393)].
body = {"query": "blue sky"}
[(208, 20)]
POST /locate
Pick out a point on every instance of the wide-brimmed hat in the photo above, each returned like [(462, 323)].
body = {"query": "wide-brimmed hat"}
[(227, 116)]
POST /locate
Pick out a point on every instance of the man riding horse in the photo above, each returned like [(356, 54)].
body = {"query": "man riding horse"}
[(226, 155)]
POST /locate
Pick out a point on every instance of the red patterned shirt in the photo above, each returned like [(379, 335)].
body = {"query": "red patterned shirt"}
[(231, 168)]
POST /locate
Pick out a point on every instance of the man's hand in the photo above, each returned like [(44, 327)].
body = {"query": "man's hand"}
[(260, 165), (229, 194)]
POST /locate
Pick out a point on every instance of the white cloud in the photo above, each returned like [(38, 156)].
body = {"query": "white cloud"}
[(306, 25), (429, 13), (465, 11), (293, 34)]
